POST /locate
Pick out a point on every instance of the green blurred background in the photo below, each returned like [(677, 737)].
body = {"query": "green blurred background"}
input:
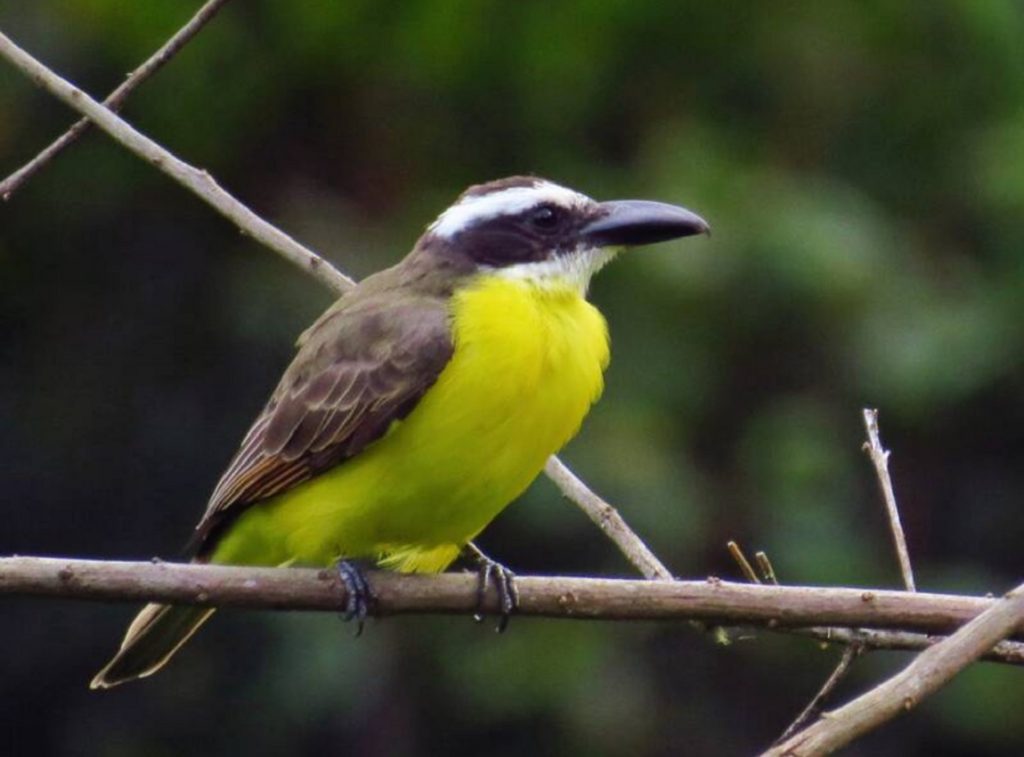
[(862, 165)]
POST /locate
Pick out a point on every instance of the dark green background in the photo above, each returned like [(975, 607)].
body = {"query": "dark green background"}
[(862, 165)]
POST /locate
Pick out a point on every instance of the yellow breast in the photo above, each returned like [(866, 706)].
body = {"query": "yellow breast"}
[(527, 365)]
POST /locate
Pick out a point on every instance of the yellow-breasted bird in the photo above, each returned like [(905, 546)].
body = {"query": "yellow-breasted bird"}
[(423, 401)]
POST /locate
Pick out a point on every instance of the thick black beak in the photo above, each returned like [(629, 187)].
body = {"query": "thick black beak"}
[(636, 222)]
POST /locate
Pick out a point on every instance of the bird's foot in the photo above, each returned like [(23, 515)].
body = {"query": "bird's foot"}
[(504, 582), (358, 594)]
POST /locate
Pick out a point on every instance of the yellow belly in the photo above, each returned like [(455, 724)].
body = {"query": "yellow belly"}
[(527, 365)]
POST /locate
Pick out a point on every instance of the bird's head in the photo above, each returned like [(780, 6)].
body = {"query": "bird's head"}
[(531, 229)]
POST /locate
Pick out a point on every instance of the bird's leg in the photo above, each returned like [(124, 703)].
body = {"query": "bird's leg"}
[(504, 582), (358, 594)]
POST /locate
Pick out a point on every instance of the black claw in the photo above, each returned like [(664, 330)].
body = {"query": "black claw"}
[(504, 582), (484, 570), (358, 595), (509, 593)]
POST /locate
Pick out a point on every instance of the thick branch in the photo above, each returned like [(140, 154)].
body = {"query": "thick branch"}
[(198, 181), (592, 598), (116, 98), (929, 671), (202, 184)]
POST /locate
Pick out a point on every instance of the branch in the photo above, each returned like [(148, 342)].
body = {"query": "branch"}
[(606, 518), (929, 671), (198, 181), (880, 458), (115, 100), (590, 598), (206, 188)]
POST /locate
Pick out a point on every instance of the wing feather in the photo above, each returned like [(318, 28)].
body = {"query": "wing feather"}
[(357, 371)]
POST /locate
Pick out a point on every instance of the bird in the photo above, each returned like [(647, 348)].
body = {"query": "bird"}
[(422, 402)]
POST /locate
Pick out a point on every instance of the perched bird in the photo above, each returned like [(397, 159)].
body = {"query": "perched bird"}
[(422, 402)]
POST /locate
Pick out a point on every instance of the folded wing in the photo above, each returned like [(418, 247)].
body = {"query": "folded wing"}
[(359, 368)]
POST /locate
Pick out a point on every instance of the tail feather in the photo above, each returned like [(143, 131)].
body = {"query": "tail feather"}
[(157, 632)]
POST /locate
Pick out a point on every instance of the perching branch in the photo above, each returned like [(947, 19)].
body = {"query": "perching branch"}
[(202, 184), (924, 676), (880, 458), (115, 100), (587, 598)]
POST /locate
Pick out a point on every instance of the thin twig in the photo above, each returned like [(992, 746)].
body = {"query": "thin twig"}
[(202, 184), (880, 458), (1010, 652), (607, 519), (851, 652), (929, 671), (198, 181), (115, 100)]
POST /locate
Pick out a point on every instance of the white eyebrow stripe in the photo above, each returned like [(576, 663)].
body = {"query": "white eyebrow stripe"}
[(473, 210)]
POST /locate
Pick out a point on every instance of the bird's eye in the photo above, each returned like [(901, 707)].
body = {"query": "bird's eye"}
[(545, 218)]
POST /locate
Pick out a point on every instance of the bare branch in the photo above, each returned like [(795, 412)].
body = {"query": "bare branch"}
[(306, 589), (929, 671), (198, 181), (202, 184), (710, 601), (116, 98), (607, 519), (880, 458)]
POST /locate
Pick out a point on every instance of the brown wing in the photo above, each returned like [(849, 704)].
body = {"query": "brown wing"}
[(358, 369)]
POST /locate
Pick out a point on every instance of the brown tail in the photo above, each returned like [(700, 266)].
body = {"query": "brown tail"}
[(152, 639)]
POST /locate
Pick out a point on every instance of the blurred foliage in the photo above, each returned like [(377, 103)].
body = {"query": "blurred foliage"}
[(862, 165)]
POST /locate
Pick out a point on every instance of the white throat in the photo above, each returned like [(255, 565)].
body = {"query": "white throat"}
[(569, 270)]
